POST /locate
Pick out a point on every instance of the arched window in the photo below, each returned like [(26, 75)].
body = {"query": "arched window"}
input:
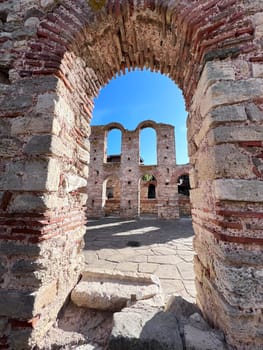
[(148, 146), (183, 184), (151, 191), (114, 146)]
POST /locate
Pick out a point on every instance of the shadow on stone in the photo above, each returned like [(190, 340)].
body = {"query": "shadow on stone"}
[(142, 328), (179, 326)]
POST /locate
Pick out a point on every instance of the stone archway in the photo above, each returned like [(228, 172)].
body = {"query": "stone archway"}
[(51, 71)]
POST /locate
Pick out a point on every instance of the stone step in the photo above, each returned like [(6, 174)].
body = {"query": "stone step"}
[(111, 290)]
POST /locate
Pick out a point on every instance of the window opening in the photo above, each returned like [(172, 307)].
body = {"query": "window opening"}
[(148, 146), (151, 191), (183, 184), (114, 146)]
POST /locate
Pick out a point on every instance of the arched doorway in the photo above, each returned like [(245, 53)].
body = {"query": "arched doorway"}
[(112, 197), (148, 195), (47, 92), (183, 185)]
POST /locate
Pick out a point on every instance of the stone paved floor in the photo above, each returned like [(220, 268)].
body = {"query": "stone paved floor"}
[(164, 247)]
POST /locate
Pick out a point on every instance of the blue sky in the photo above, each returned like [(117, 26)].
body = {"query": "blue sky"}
[(141, 95)]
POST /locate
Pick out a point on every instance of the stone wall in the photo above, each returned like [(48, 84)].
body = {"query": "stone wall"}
[(184, 205), (55, 56), (129, 171)]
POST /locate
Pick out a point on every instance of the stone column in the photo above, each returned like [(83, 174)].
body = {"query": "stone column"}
[(42, 201), (167, 193), (225, 136), (130, 174), (97, 193)]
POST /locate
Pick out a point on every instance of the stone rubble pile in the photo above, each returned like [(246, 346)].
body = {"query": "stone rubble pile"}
[(140, 319)]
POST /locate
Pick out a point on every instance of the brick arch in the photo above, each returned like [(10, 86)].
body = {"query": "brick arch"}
[(211, 49), (147, 124), (180, 33), (112, 126)]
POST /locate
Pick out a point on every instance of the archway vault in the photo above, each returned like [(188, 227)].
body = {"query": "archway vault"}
[(212, 49)]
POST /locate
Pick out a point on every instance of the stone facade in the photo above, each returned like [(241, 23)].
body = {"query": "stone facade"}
[(122, 175), (55, 56)]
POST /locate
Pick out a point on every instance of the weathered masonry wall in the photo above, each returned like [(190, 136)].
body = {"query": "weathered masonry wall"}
[(131, 194), (54, 58)]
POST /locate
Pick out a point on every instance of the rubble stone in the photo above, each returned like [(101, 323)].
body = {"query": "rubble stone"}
[(106, 290)]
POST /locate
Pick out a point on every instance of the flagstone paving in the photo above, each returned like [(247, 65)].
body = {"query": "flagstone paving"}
[(148, 245)]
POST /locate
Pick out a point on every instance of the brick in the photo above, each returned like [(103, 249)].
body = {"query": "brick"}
[(239, 190)]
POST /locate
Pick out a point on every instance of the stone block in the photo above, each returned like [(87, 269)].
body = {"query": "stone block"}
[(47, 144), (34, 175), (223, 134), (83, 155), (254, 113), (46, 3), (55, 104), (199, 339), (3, 268), (23, 267), (213, 72), (32, 124), (9, 147), (85, 171), (45, 296), (257, 68), (16, 304), (230, 92), (240, 285), (30, 202), (5, 127), (111, 290), (3, 325), (46, 102), (239, 190), (143, 327), (20, 339), (13, 249), (230, 162), (74, 182), (11, 104), (219, 115), (32, 22), (224, 160), (27, 203)]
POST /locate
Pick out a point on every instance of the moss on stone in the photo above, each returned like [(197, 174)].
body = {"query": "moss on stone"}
[(97, 5)]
